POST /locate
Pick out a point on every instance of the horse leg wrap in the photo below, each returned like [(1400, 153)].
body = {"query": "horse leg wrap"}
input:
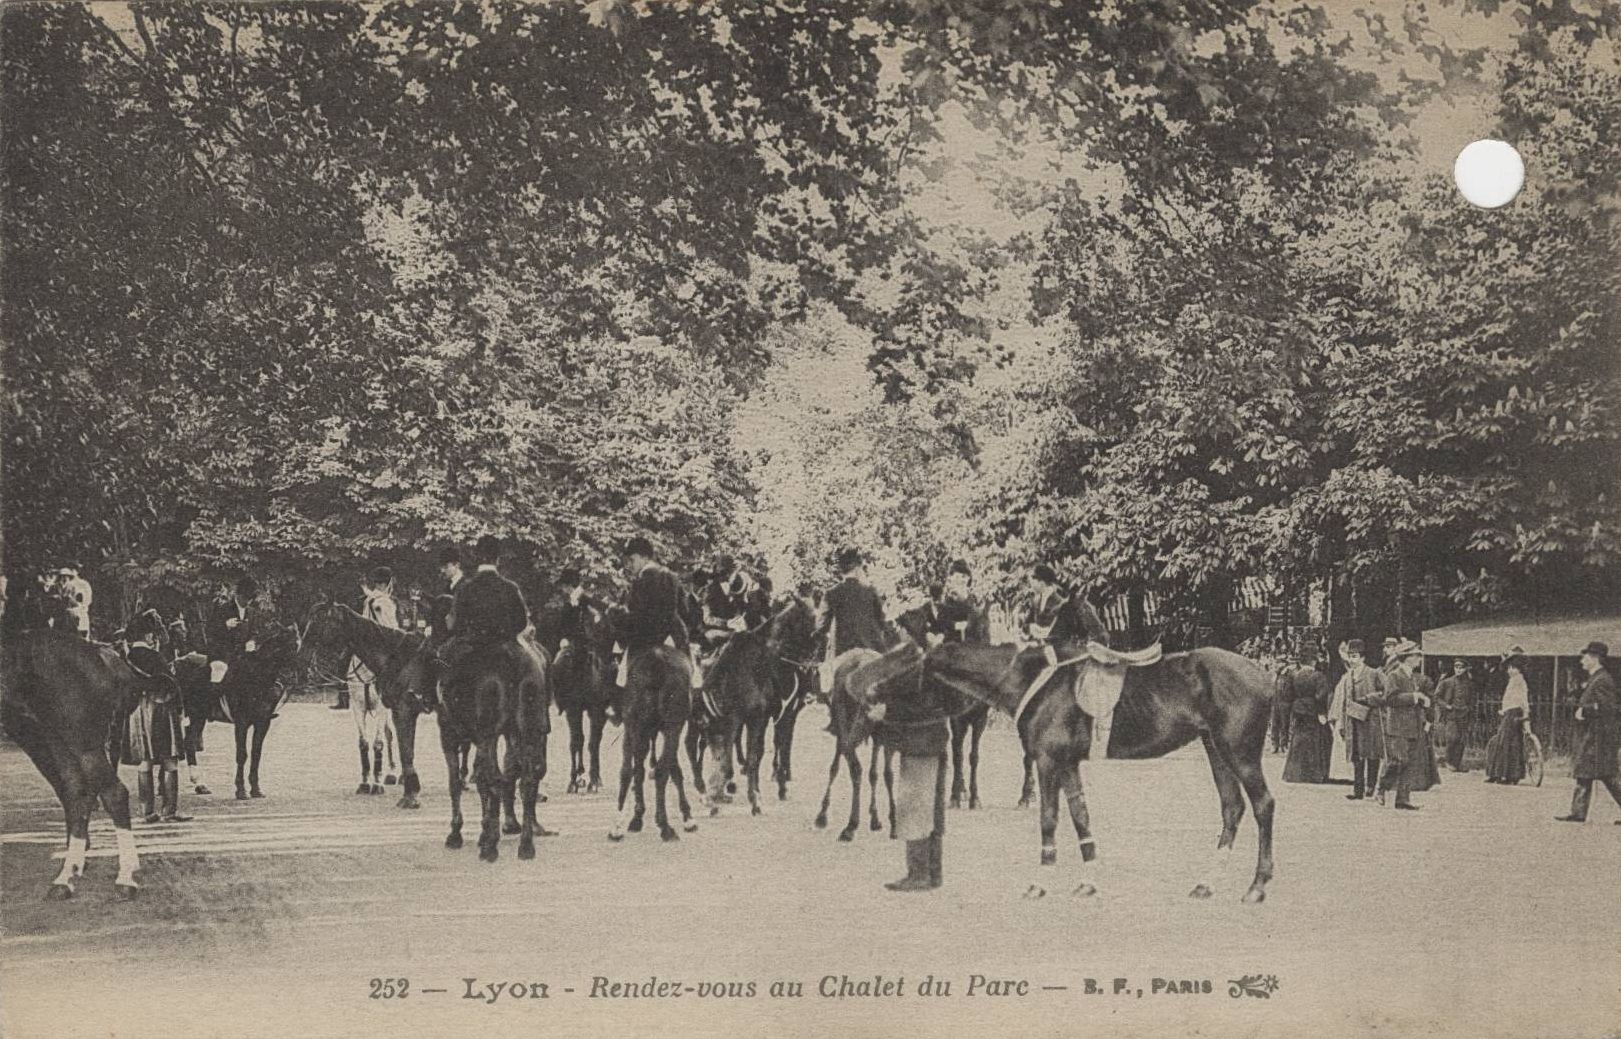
[(72, 862), (129, 860)]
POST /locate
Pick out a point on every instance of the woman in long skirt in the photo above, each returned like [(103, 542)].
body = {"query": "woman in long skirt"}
[(1305, 693), (1505, 754), (1423, 771)]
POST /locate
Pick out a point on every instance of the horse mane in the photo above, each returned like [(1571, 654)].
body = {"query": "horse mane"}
[(395, 637)]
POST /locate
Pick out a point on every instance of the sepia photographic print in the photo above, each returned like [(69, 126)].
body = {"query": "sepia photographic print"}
[(810, 518)]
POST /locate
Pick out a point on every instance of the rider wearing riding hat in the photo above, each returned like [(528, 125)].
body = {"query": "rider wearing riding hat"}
[(653, 606), (960, 617), (577, 611), (855, 610), (734, 600), (1062, 615), (231, 626), (489, 610)]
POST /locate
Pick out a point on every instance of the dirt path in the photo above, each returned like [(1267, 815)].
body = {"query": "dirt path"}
[(1477, 916)]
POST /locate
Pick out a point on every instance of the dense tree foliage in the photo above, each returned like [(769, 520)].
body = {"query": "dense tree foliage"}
[(1167, 295)]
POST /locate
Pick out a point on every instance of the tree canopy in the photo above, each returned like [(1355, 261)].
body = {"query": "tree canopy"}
[(1171, 297)]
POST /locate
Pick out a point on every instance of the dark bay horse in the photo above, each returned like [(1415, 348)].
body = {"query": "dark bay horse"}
[(654, 705), (581, 674), (385, 652), (1220, 698), (754, 677), (495, 698), (61, 699), (250, 697), (848, 723)]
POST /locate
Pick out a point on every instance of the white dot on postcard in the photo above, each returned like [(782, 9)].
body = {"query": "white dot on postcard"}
[(1489, 173)]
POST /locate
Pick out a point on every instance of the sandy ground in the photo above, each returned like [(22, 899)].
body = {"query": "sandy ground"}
[(1479, 916)]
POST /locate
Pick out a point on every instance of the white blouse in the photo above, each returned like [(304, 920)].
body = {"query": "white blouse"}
[(1516, 695)]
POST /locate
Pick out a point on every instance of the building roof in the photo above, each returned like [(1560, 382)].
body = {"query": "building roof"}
[(1537, 636)]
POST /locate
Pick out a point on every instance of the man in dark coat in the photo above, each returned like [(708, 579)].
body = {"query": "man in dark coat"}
[(450, 568), (653, 607), (734, 599), (961, 617), (1598, 738), (577, 611), (1455, 700), (855, 610), (489, 610), (1401, 708), (231, 627)]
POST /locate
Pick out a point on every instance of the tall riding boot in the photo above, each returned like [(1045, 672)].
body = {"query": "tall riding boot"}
[(917, 868), (936, 867), (1579, 800), (171, 799), (149, 810)]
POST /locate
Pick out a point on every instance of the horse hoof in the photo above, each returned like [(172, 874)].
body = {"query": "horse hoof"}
[(364, 788), (1024, 802), (377, 788), (389, 780), (241, 795), (408, 802), (201, 791), (1202, 891), (875, 826), (956, 802), (616, 835), (1049, 857), (635, 825), (1255, 895), (126, 892), (526, 852), (593, 787), (690, 826), (973, 804), (540, 797), (847, 835), (454, 841), (58, 893), (668, 834), (755, 810), (256, 792), (1084, 891), (489, 854), (510, 828), (821, 822), (1034, 892)]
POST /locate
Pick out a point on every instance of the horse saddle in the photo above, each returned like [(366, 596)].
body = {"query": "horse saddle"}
[(1103, 675), (864, 681)]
